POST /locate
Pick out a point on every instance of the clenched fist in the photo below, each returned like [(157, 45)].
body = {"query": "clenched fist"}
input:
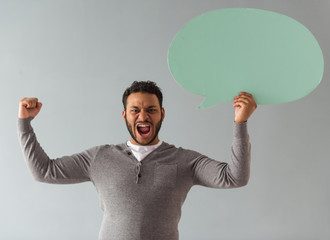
[(29, 107)]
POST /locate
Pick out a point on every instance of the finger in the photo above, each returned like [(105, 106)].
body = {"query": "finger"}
[(39, 105), (242, 101), (29, 102), (237, 105), (248, 98), (251, 99), (243, 98), (245, 94)]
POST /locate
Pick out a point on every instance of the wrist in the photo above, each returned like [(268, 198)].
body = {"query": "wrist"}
[(240, 120)]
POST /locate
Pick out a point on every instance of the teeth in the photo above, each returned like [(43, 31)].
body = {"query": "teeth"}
[(143, 125)]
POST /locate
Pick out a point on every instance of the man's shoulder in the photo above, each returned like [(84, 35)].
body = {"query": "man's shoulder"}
[(171, 148), (121, 147)]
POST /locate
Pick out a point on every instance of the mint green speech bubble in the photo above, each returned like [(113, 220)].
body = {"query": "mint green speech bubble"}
[(225, 51)]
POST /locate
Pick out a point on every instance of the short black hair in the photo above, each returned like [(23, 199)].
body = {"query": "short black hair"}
[(144, 87)]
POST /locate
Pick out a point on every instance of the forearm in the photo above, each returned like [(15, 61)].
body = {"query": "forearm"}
[(37, 160), (239, 166)]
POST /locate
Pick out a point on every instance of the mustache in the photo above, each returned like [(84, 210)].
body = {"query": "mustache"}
[(142, 122)]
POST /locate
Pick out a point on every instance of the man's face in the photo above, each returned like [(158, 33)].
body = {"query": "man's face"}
[(143, 117)]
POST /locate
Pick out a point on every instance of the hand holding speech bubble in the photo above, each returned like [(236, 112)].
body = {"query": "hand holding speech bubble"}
[(225, 51)]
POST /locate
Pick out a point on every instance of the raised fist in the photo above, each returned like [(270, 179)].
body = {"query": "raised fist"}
[(29, 107)]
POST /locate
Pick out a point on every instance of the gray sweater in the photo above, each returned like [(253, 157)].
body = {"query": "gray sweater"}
[(139, 200)]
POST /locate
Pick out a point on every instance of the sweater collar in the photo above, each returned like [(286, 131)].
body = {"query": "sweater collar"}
[(143, 149)]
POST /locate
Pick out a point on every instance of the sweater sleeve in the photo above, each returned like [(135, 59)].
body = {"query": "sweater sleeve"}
[(235, 173), (64, 170)]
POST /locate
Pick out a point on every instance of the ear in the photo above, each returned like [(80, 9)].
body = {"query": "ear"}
[(163, 114), (124, 115)]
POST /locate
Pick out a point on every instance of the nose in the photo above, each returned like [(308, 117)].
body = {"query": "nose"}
[(143, 116)]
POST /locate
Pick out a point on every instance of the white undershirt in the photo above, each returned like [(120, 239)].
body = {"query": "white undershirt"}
[(140, 152)]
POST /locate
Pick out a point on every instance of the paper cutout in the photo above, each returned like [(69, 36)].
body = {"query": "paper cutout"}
[(222, 52)]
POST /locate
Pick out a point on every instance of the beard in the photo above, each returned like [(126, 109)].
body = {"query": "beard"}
[(131, 132)]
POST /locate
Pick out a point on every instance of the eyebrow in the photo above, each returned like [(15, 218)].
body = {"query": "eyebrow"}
[(153, 106)]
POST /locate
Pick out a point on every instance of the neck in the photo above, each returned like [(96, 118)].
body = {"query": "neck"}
[(154, 142)]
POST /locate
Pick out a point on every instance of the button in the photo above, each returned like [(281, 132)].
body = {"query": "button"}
[(129, 153)]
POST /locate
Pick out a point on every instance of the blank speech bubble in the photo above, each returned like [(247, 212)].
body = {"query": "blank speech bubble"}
[(225, 51)]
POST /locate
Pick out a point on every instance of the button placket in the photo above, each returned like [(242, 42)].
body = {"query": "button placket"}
[(138, 172)]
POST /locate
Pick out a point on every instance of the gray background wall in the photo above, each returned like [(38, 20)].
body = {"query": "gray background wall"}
[(79, 56)]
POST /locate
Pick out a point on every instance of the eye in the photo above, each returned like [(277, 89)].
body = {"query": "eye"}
[(134, 111), (152, 110)]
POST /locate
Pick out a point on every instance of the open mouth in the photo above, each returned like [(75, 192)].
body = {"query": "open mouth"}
[(144, 130)]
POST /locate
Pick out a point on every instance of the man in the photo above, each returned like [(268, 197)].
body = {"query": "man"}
[(142, 184)]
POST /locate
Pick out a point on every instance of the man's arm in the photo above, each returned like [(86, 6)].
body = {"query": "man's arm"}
[(67, 169), (236, 172)]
